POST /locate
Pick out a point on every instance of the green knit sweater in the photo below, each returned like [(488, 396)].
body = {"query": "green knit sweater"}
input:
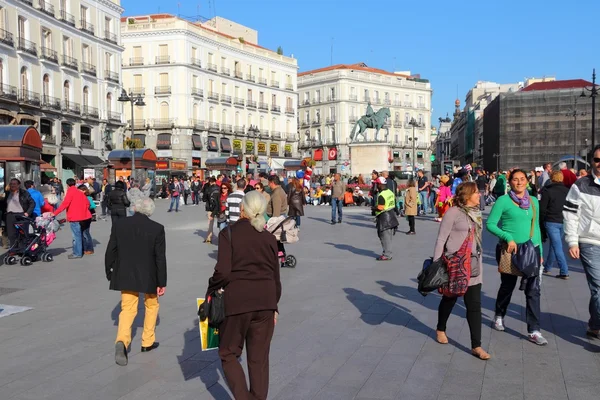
[(516, 222)]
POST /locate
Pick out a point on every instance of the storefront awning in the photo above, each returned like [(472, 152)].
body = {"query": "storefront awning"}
[(20, 143), (277, 163), (93, 160), (45, 167), (294, 165), (221, 163), (77, 159)]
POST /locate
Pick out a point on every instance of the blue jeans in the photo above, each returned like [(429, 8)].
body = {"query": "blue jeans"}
[(77, 239), (176, 201), (590, 259), (297, 218), (555, 250), (339, 205), (424, 200)]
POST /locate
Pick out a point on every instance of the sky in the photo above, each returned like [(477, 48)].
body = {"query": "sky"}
[(454, 44)]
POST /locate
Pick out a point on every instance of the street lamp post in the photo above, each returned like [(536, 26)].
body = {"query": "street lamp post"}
[(593, 93), (497, 157), (574, 113), (414, 124), (135, 101)]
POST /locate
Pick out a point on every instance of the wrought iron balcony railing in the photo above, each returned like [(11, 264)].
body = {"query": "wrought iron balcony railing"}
[(88, 111), (289, 86), (27, 46), (213, 96), (111, 37), (225, 128), (49, 55), (163, 60), (275, 84), (71, 107), (46, 8), (69, 62), (138, 91), (8, 92), (88, 68), (49, 139), (30, 98), (330, 120), (136, 61), (225, 71), (250, 78), (239, 75), (162, 90), (289, 110), (7, 38), (163, 123), (275, 108), (213, 126), (87, 143), (198, 124), (263, 106), (262, 81), (197, 92), (113, 116), (67, 140), (239, 129), (225, 99), (66, 18), (251, 104), (138, 124), (211, 67), (111, 76), (197, 62), (238, 101), (51, 103), (86, 27)]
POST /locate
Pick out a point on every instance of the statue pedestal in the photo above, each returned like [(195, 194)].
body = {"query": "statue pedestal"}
[(366, 157)]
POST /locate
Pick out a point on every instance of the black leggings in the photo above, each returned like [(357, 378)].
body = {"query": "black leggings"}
[(472, 301), (411, 223)]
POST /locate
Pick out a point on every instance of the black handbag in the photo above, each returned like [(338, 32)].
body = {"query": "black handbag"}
[(527, 257), (433, 276)]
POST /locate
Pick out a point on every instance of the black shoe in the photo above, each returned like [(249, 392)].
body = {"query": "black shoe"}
[(150, 348), (332, 222), (72, 257), (565, 277), (410, 233), (339, 221), (169, 210), (120, 354)]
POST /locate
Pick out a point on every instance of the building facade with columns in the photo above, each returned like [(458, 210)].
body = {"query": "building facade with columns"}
[(210, 91), (60, 70), (332, 99)]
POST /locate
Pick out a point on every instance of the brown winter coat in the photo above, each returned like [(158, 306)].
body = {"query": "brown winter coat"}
[(410, 202)]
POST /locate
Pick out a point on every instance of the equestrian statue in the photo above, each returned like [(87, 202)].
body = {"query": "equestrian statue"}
[(373, 120)]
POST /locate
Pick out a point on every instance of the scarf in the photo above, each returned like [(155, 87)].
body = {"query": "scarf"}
[(523, 203), (474, 214)]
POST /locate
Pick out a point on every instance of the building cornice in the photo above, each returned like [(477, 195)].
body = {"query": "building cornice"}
[(111, 5), (329, 80)]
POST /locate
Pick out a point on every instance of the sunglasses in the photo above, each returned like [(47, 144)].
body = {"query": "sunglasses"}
[(596, 160)]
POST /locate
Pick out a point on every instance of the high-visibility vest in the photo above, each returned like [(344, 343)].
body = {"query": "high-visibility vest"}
[(390, 201)]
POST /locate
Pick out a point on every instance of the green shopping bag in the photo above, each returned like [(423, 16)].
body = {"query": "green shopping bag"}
[(209, 337)]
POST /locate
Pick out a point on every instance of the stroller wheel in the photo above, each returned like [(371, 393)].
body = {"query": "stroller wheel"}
[(47, 257), (290, 261), (10, 260), (26, 261)]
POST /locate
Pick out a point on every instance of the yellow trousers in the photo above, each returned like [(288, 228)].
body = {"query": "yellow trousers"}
[(129, 308)]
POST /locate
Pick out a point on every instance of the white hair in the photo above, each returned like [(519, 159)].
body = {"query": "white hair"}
[(562, 165), (254, 206), (144, 206)]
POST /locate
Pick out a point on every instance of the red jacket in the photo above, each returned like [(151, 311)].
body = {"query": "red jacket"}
[(569, 178), (76, 204)]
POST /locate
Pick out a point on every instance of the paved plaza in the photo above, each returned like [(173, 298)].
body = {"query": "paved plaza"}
[(350, 327)]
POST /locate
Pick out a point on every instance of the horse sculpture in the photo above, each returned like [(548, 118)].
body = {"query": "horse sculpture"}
[(377, 121)]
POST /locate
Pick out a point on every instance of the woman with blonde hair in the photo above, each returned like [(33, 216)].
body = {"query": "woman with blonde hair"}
[(458, 223), (247, 271)]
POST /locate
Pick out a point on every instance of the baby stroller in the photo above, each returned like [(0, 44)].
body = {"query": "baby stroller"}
[(285, 231), (32, 247)]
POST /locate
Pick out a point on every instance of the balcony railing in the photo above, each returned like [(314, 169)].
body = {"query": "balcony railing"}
[(275, 84), (7, 38), (422, 105), (275, 108), (88, 111), (49, 139), (197, 92), (225, 71), (88, 68), (238, 101), (377, 101), (407, 104), (305, 124), (30, 98), (397, 124), (225, 128), (251, 104), (239, 74), (163, 60), (331, 98), (330, 120), (71, 107), (289, 86), (316, 100), (262, 81), (353, 97), (141, 91), (8, 92), (28, 2), (136, 61), (46, 8), (138, 124), (114, 116), (275, 135), (289, 111), (213, 126), (250, 78), (163, 123), (198, 124), (196, 61), (211, 67), (263, 106), (225, 99), (27, 46), (87, 143), (87, 27), (111, 37), (162, 90), (111, 76), (67, 140), (213, 96), (51, 103), (66, 17), (69, 62), (387, 102), (352, 119), (238, 129), (316, 122), (367, 99), (49, 55)]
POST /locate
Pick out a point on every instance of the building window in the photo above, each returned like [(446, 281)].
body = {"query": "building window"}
[(22, 26), (67, 92), (45, 84), (366, 94), (67, 46), (164, 110), (318, 96), (86, 135), (24, 80), (86, 95), (274, 99), (249, 94), (107, 25)]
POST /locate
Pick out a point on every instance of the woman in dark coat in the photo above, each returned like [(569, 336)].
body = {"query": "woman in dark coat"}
[(296, 200), (118, 201)]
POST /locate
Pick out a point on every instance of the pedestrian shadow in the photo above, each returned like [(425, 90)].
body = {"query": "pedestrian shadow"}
[(354, 250), (376, 310), (370, 226), (320, 219), (203, 365), (138, 322)]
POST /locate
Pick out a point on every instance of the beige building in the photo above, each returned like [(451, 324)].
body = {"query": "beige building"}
[(332, 99), (60, 70), (210, 91)]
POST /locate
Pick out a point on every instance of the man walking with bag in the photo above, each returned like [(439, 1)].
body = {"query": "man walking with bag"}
[(338, 188)]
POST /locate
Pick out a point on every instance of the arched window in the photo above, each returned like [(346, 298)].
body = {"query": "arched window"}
[(211, 114), (273, 124), (109, 103), (237, 119), (46, 87), (164, 110), (224, 117), (250, 121), (24, 80), (67, 92), (86, 95)]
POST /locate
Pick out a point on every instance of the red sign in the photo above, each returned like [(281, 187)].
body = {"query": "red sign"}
[(318, 155), (162, 165), (178, 165), (196, 162), (332, 153)]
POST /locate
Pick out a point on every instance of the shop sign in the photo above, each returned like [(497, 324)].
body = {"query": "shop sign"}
[(237, 144), (262, 148), (163, 141), (162, 165), (178, 165), (274, 149), (196, 162), (249, 146)]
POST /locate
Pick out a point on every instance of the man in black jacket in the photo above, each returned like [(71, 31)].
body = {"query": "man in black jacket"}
[(213, 205), (17, 202), (118, 202), (387, 222), (196, 187), (136, 262)]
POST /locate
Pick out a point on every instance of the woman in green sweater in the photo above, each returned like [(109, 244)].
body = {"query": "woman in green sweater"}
[(514, 211)]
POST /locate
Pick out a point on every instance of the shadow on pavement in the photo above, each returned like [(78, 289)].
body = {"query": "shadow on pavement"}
[(138, 322), (354, 250)]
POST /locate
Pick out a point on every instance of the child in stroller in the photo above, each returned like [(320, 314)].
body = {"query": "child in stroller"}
[(31, 247), (285, 231)]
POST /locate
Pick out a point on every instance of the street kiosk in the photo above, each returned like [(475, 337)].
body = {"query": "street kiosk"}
[(20, 154)]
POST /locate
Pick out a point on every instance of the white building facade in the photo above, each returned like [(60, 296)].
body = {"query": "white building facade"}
[(60, 70), (332, 99), (207, 92)]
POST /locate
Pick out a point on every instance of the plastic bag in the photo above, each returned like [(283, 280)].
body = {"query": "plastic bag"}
[(433, 276)]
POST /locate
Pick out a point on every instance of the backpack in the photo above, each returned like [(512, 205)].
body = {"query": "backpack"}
[(458, 266)]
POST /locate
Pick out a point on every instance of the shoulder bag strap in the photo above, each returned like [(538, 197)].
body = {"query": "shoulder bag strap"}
[(532, 220)]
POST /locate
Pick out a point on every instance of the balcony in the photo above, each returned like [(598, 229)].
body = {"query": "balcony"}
[(136, 61), (422, 106), (289, 86), (263, 106), (316, 100), (7, 38), (211, 67), (162, 60), (198, 124), (88, 111), (138, 124), (29, 98), (387, 102), (306, 102), (316, 122), (276, 109), (212, 96), (27, 47), (367, 99), (330, 121), (69, 62), (289, 111), (46, 8), (196, 61), (238, 102), (225, 71), (67, 140), (163, 123), (275, 135), (225, 99), (8, 92), (239, 130), (113, 116), (262, 81), (352, 119), (251, 104), (66, 18), (197, 92), (275, 84), (397, 124), (87, 143), (111, 76), (111, 37), (51, 103), (353, 97), (213, 127), (331, 98), (305, 124), (137, 91), (407, 104), (238, 74), (86, 27), (49, 55), (28, 2), (265, 134), (49, 139), (225, 128), (377, 101), (71, 107), (162, 90), (250, 78), (88, 68)]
